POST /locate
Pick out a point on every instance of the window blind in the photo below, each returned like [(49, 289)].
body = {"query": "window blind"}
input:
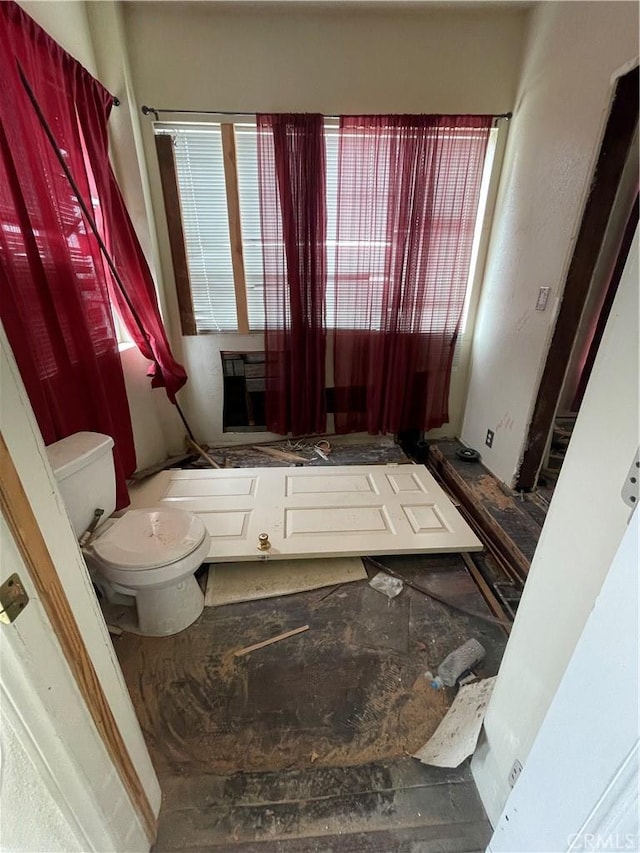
[(203, 200), (203, 203)]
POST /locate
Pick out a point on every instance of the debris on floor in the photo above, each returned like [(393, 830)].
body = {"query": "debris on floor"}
[(316, 451), (228, 583), (351, 689), (254, 648), (386, 584), (457, 735), (458, 663)]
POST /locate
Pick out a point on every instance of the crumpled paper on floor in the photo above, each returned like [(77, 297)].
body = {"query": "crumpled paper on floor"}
[(457, 735), (386, 584)]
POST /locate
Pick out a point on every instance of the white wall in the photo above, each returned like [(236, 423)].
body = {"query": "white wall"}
[(157, 431), (309, 57), (92, 33), (573, 51), (581, 777), (584, 526), (66, 22)]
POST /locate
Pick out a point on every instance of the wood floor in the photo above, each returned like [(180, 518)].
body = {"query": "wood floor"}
[(305, 745)]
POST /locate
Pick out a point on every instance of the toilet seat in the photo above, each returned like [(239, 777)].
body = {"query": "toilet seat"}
[(150, 538)]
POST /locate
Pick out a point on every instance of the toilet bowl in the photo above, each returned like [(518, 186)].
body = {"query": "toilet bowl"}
[(150, 557), (143, 561)]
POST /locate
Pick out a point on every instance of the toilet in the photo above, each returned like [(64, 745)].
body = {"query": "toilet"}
[(142, 561)]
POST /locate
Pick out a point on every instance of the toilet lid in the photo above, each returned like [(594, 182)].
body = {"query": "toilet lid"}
[(149, 538)]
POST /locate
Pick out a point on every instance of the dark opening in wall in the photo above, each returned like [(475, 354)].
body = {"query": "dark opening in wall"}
[(244, 392)]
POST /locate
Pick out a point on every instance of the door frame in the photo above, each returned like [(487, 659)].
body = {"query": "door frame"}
[(615, 149), (31, 544)]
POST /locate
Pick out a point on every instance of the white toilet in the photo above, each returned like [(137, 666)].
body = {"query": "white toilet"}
[(143, 561)]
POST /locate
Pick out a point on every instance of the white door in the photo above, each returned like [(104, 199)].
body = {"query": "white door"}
[(315, 512), (58, 787)]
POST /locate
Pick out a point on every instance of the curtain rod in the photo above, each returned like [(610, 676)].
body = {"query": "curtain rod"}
[(147, 111)]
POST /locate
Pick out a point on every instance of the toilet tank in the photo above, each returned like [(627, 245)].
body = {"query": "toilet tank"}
[(83, 467)]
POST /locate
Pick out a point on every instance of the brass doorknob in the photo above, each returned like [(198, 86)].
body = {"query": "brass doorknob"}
[(263, 542)]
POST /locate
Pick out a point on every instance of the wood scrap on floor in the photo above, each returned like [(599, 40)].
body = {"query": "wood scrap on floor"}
[(190, 443), (229, 583), (283, 455), (487, 593), (285, 636)]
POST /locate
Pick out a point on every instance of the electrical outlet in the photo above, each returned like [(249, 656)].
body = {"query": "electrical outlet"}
[(631, 488), (543, 298), (489, 439), (515, 771)]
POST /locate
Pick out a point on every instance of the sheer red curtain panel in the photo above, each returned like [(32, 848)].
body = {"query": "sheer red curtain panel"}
[(54, 299), (408, 193), (292, 184), (55, 288)]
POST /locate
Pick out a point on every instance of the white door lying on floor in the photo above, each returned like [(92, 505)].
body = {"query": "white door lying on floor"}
[(315, 512)]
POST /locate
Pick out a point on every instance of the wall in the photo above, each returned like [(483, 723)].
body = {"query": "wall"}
[(92, 34), (65, 21), (591, 755), (309, 57), (584, 526), (573, 51)]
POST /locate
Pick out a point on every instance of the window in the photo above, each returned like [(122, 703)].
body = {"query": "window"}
[(215, 169)]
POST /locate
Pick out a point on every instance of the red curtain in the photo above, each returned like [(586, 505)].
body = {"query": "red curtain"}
[(54, 285), (408, 192), (147, 331), (291, 164)]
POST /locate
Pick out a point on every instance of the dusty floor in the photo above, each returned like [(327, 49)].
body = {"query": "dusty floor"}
[(347, 696)]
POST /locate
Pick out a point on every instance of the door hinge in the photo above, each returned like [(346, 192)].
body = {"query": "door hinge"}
[(13, 599)]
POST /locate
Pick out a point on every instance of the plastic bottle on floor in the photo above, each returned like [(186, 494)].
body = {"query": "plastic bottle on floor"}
[(456, 664)]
